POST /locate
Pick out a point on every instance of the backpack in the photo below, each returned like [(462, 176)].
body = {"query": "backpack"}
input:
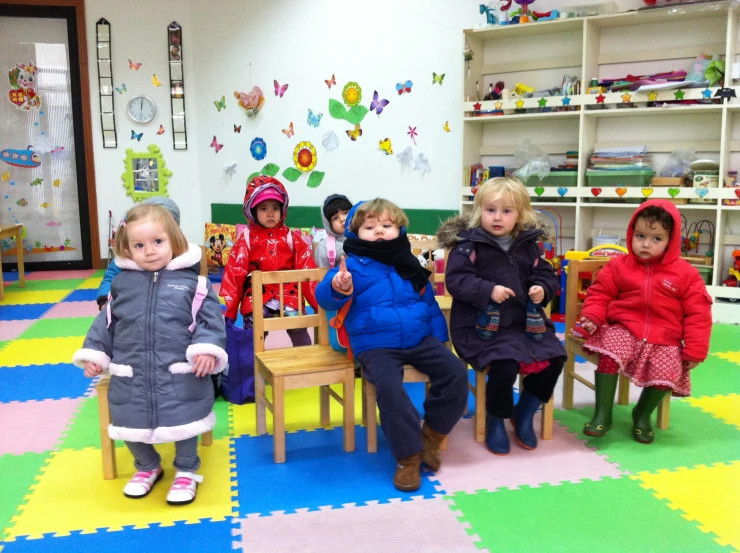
[(331, 249)]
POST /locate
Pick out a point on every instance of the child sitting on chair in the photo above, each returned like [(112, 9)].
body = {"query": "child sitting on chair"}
[(333, 214), (499, 279), (649, 317), (267, 245), (393, 320), (158, 338)]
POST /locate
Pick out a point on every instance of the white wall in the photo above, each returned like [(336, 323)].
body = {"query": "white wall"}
[(301, 43)]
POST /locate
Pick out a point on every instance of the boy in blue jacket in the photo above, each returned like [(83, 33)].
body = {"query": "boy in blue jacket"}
[(394, 320)]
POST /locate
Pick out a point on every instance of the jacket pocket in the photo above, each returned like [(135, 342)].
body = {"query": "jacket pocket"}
[(189, 387), (119, 391)]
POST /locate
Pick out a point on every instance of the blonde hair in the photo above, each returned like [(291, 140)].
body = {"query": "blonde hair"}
[(499, 188), (157, 215), (375, 208)]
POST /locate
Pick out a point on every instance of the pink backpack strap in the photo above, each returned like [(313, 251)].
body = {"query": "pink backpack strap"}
[(200, 294), (107, 310), (331, 249)]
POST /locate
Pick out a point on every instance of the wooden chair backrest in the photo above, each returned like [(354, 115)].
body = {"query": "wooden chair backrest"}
[(573, 304), (280, 321), (203, 262), (441, 277)]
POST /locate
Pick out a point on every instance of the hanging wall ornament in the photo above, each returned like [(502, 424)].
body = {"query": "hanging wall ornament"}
[(406, 157), (330, 141), (177, 87), (22, 93), (421, 164), (105, 85)]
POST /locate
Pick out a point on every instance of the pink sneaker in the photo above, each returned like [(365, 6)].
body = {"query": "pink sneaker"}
[(142, 483), (182, 491)]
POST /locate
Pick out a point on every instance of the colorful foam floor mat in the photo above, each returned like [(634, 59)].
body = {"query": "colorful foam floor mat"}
[(571, 494)]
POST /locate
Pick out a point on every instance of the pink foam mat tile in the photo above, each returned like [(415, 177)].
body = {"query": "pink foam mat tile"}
[(56, 275), (10, 330), (469, 467), (34, 426), (417, 525), (73, 309)]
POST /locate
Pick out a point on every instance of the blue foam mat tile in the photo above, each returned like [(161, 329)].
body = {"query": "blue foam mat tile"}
[(24, 311), (82, 295), (12, 277), (180, 538), (317, 473), (39, 382)]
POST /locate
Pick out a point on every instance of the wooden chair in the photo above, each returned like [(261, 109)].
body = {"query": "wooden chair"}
[(298, 367), (580, 272), (108, 446)]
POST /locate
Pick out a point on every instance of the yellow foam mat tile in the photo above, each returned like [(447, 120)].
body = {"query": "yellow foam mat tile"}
[(726, 407), (301, 411), (90, 284), (706, 495), (74, 479), (40, 351), (733, 356), (37, 296)]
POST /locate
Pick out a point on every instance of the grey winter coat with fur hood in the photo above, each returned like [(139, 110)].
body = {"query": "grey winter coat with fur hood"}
[(154, 395)]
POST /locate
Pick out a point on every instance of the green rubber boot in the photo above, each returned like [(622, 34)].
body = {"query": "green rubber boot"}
[(606, 386), (642, 428)]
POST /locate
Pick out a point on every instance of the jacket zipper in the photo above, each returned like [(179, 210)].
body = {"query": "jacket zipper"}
[(150, 335), (647, 303)]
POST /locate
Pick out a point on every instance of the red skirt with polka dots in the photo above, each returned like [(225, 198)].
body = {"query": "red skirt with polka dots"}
[(644, 364)]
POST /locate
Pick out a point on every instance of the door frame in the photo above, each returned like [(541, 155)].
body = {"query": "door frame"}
[(86, 112)]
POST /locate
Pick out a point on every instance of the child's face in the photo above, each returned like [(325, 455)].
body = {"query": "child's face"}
[(649, 241), (375, 229), (268, 213), (148, 245), (337, 221), (499, 217)]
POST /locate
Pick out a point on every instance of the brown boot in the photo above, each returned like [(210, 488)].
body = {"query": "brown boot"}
[(408, 473), (432, 440)]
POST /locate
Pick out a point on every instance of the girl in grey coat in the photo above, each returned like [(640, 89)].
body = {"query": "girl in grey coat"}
[(158, 344)]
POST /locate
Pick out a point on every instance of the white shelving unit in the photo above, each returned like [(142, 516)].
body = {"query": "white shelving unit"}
[(611, 46)]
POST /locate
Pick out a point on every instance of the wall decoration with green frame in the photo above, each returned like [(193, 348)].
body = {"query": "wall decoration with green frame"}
[(146, 173)]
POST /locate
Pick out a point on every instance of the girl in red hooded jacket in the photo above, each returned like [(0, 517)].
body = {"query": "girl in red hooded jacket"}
[(649, 316), (267, 245)]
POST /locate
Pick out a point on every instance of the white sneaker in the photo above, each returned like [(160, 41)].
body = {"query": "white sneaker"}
[(182, 491), (142, 483)]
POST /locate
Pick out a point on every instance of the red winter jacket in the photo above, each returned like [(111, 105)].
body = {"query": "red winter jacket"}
[(662, 300), (267, 250)]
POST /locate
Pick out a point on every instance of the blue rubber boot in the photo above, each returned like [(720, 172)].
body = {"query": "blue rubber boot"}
[(497, 440), (523, 420)]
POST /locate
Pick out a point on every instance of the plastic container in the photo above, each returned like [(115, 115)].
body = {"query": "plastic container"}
[(705, 272), (604, 179), (604, 239), (559, 179)]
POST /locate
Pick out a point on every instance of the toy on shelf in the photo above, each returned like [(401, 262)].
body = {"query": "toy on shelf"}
[(552, 15), (504, 12), (490, 12), (733, 281), (605, 251), (524, 18), (690, 238)]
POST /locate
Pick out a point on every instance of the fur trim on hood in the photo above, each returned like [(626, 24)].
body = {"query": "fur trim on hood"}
[(447, 233)]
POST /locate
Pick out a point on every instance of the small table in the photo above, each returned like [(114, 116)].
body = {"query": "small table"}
[(13, 231)]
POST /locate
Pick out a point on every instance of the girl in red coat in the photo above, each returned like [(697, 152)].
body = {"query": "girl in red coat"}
[(649, 316), (267, 245)]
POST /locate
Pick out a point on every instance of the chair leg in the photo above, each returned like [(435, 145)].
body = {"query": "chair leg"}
[(664, 412), (623, 393), (372, 424), (278, 419), (206, 438), (569, 382), (480, 406), (108, 446), (324, 408), (349, 409), (259, 401), (548, 413), (363, 399)]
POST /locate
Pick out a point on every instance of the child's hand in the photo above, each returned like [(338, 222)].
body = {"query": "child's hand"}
[(588, 325), (92, 369), (204, 364), (343, 279), (537, 294), (688, 365), (500, 294)]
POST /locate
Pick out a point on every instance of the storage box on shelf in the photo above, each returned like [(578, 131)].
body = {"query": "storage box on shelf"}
[(608, 46)]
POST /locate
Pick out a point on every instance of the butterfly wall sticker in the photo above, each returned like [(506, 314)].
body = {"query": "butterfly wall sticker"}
[(133, 66), (289, 131), (385, 146), (136, 136), (156, 81), (237, 129), (437, 78), (122, 89), (378, 105), (355, 133), (161, 129), (404, 87), (314, 119), (331, 81), (447, 126), (220, 104), (215, 145), (280, 90)]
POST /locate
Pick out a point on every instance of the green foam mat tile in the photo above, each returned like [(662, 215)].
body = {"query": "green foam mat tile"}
[(693, 438), (715, 376), (221, 408), (84, 430), (724, 338), (17, 473), (58, 328), (61, 284), (592, 517), (100, 273), (3, 344)]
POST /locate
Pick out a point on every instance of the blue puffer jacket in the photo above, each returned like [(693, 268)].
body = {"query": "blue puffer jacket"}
[(104, 288), (386, 311)]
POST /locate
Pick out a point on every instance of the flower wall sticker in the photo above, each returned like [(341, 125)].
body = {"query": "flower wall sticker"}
[(258, 149), (304, 156), (352, 94)]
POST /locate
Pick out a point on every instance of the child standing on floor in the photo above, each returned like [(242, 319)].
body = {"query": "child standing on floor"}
[(499, 279), (393, 319), (649, 316), (333, 214), (267, 245), (160, 334)]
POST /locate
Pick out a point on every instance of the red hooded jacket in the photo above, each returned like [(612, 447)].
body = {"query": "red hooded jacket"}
[(662, 300), (267, 250)]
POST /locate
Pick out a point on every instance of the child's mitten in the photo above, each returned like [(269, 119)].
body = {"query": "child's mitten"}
[(535, 323), (487, 323)]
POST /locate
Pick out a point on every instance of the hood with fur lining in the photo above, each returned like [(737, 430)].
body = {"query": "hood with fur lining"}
[(448, 233)]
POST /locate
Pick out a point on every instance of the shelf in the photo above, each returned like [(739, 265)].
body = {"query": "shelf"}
[(552, 204), (639, 112), (660, 15), (520, 116), (505, 32), (709, 207)]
